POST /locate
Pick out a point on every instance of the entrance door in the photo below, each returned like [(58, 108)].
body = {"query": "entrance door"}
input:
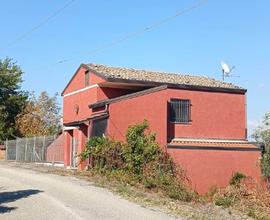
[(73, 152)]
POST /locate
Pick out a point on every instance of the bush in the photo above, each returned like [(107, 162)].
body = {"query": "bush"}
[(237, 178), (140, 160), (247, 197), (265, 165), (224, 201), (105, 153)]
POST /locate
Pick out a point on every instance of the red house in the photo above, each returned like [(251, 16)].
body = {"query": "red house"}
[(200, 121)]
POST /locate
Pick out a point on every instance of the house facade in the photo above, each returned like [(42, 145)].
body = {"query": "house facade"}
[(199, 121)]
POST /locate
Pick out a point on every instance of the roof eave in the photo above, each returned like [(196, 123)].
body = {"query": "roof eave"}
[(128, 96)]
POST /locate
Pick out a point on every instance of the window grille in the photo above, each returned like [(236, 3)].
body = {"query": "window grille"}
[(180, 111)]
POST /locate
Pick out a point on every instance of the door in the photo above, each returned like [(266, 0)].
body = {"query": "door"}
[(73, 152)]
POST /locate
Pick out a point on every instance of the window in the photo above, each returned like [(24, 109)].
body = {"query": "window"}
[(99, 127), (180, 111), (86, 78)]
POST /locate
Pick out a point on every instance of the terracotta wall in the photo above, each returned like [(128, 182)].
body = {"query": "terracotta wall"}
[(78, 80), (213, 115), (81, 101), (209, 168), (128, 112)]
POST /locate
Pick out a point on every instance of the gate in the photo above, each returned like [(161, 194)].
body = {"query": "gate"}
[(28, 149), (74, 152)]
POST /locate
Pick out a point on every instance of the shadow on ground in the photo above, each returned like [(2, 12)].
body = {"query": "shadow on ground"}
[(6, 197)]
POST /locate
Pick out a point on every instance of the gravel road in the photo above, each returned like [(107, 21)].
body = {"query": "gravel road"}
[(27, 194)]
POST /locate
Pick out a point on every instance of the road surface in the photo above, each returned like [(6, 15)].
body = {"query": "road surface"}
[(27, 194)]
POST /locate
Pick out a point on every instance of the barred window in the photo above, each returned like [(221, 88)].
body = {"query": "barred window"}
[(180, 110), (86, 78)]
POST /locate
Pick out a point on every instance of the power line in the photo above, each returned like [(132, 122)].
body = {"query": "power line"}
[(39, 25), (141, 31)]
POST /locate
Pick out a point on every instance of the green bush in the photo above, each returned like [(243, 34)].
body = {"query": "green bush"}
[(237, 178), (105, 153), (265, 164), (225, 201), (139, 160)]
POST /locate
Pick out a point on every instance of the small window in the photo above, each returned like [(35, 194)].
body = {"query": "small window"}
[(180, 111), (86, 78), (99, 127)]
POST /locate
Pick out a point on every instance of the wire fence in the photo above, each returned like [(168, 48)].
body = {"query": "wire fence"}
[(36, 149)]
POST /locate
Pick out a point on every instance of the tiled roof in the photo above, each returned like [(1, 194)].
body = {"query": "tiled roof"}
[(159, 77)]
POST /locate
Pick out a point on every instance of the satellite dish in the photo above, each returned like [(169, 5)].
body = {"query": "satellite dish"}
[(226, 70)]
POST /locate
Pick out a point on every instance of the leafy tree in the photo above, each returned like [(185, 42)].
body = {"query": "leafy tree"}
[(41, 116), (262, 135), (12, 98)]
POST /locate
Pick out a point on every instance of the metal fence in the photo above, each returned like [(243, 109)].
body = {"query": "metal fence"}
[(35, 149)]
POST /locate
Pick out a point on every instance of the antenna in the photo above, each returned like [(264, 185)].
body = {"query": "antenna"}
[(226, 70)]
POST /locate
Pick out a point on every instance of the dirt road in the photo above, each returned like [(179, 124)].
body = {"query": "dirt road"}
[(27, 194)]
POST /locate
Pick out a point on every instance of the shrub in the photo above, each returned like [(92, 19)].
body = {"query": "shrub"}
[(105, 153), (247, 197), (141, 148), (265, 165), (224, 201), (139, 160), (237, 178)]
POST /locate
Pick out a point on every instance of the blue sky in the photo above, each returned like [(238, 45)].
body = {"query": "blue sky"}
[(237, 32)]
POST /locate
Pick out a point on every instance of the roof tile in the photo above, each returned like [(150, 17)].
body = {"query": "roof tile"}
[(160, 77)]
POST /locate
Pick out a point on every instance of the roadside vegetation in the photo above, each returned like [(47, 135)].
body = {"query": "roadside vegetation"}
[(262, 135), (139, 161), (140, 164)]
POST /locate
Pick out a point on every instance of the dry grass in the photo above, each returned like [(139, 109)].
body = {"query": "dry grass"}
[(247, 197)]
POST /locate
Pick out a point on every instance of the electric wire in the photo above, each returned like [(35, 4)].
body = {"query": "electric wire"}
[(139, 32), (39, 25)]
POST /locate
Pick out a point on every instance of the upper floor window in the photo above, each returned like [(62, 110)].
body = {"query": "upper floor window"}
[(86, 78), (180, 111)]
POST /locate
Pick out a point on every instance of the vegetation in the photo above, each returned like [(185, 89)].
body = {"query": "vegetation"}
[(139, 161), (262, 135), (12, 98), (41, 116), (237, 178), (246, 196)]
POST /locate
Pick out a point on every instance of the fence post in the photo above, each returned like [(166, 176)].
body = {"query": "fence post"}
[(34, 149), (25, 149), (6, 144), (16, 150), (43, 149)]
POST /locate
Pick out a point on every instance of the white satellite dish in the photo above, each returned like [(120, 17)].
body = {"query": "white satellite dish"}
[(226, 70)]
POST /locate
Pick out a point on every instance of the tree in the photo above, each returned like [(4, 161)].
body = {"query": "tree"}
[(262, 132), (262, 135), (12, 98), (41, 116)]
